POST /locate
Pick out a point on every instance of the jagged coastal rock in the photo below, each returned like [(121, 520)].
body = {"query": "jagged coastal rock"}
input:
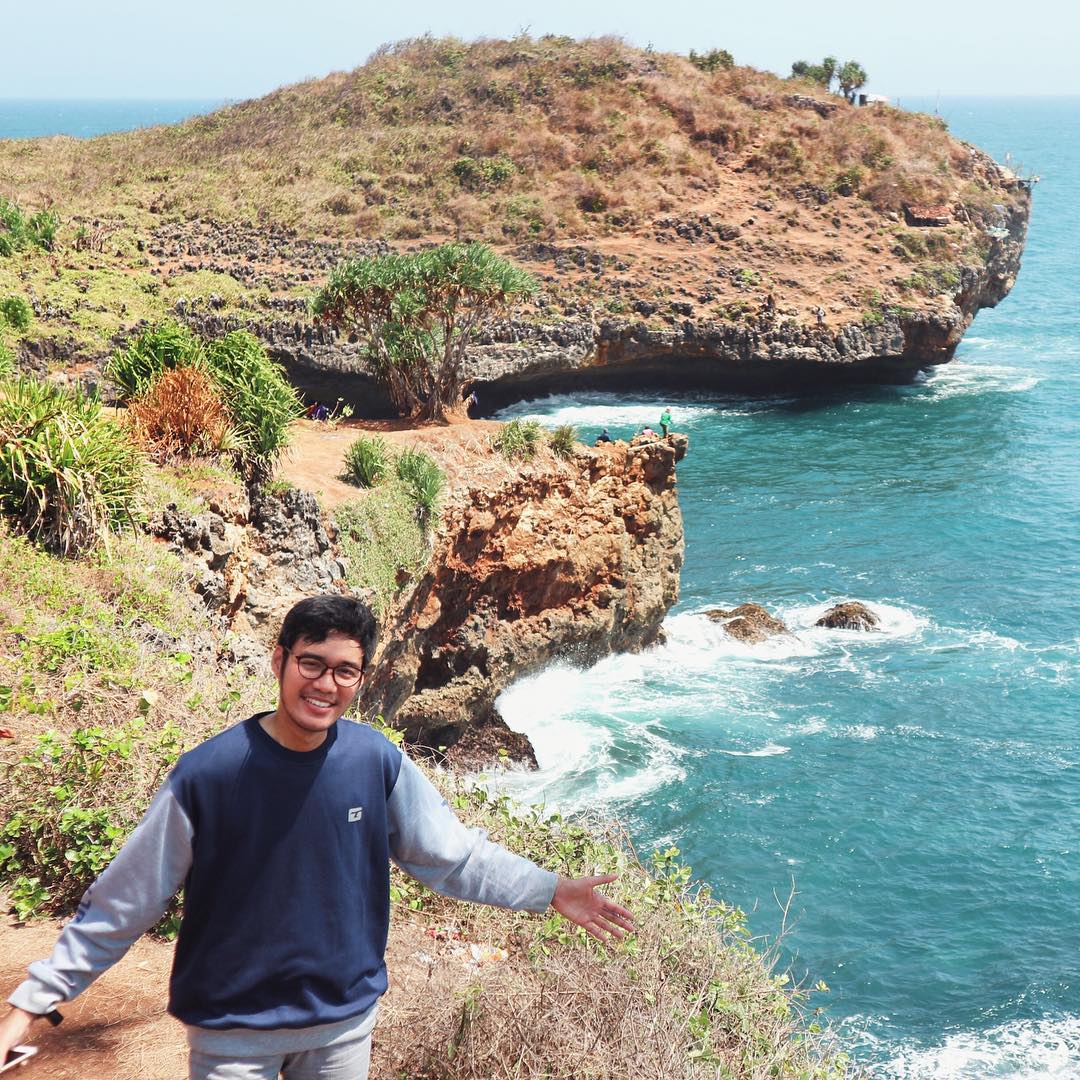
[(569, 562), (851, 615), (750, 623), (558, 560)]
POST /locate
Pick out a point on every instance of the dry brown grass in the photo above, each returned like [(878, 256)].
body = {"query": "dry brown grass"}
[(181, 415), (374, 149), (686, 998)]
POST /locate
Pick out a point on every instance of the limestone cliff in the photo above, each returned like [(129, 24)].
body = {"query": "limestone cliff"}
[(530, 563), (566, 560)]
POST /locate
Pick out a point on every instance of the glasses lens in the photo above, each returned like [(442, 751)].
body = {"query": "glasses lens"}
[(309, 667), (346, 676)]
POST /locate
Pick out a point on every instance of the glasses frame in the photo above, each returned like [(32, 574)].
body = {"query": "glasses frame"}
[(325, 668)]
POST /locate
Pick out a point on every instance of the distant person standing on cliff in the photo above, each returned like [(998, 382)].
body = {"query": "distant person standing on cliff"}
[(665, 421), (281, 830)]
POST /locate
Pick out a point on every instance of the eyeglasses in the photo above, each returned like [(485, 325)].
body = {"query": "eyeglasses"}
[(312, 668)]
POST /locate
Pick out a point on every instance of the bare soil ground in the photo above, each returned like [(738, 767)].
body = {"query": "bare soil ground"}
[(119, 1030), (315, 460)]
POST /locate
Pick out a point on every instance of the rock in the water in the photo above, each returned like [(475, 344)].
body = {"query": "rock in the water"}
[(748, 622), (849, 616)]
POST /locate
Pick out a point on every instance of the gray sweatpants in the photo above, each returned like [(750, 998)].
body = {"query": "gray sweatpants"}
[(345, 1061)]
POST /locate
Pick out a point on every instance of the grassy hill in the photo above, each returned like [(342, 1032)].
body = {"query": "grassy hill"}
[(619, 174)]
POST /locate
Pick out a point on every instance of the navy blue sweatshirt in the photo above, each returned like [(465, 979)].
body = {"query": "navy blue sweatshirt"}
[(284, 858)]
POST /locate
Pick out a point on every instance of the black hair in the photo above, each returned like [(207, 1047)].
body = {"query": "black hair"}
[(317, 617)]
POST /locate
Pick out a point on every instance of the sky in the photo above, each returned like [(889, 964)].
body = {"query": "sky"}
[(237, 49)]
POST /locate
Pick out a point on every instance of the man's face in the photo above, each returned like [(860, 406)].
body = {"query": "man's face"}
[(308, 707)]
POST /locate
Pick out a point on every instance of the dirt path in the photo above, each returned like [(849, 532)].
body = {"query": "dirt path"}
[(119, 1030), (316, 457)]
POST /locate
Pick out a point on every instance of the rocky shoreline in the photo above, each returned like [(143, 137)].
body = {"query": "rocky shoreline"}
[(662, 346), (553, 560)]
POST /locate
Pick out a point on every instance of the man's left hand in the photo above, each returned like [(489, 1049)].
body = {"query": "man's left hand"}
[(576, 899)]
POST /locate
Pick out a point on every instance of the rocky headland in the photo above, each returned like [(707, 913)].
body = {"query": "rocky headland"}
[(690, 227), (555, 559)]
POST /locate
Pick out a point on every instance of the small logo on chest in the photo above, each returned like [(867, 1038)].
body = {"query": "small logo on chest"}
[(356, 813)]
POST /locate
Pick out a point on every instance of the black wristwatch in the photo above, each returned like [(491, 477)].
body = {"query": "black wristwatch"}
[(54, 1016)]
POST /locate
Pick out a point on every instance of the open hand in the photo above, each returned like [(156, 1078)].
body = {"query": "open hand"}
[(576, 899)]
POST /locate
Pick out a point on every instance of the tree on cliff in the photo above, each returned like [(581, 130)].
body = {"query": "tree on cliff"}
[(850, 76), (417, 313), (821, 73)]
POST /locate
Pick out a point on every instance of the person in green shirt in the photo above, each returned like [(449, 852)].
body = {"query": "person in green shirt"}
[(665, 421)]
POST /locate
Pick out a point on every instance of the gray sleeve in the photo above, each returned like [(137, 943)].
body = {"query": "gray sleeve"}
[(430, 843), (131, 894)]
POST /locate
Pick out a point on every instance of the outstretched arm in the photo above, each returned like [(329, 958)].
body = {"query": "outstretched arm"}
[(127, 899), (576, 899), (430, 843)]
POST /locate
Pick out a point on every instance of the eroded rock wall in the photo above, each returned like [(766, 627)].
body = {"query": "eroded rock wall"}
[(560, 561), (531, 563)]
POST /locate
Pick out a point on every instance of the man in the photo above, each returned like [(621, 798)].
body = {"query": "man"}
[(665, 421), (280, 829), (603, 437)]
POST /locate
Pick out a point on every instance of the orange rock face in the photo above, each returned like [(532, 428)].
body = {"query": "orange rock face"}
[(566, 560)]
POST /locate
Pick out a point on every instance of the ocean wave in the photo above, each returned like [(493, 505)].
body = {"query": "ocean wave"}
[(599, 410), (1022, 1050), (957, 378), (608, 758), (766, 751)]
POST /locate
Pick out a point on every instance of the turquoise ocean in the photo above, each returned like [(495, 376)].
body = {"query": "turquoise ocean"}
[(912, 795), (918, 787)]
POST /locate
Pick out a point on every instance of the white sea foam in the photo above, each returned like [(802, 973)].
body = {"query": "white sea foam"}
[(618, 755), (1023, 1050), (958, 378), (766, 751), (600, 736), (597, 410)]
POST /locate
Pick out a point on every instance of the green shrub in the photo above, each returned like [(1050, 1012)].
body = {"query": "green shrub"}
[(17, 231), (518, 439), (16, 312), (259, 398), (563, 440), (82, 645), (7, 360), (158, 349), (422, 480), (67, 806), (382, 540), (68, 476), (848, 181), (479, 173), (366, 462), (42, 228), (713, 60)]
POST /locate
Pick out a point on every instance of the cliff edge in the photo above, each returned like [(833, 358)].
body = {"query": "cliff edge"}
[(560, 561)]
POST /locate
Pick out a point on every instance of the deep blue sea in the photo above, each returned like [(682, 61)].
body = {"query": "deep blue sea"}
[(918, 787), (28, 118)]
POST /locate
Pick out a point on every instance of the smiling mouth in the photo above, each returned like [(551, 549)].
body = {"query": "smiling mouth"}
[(321, 704)]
